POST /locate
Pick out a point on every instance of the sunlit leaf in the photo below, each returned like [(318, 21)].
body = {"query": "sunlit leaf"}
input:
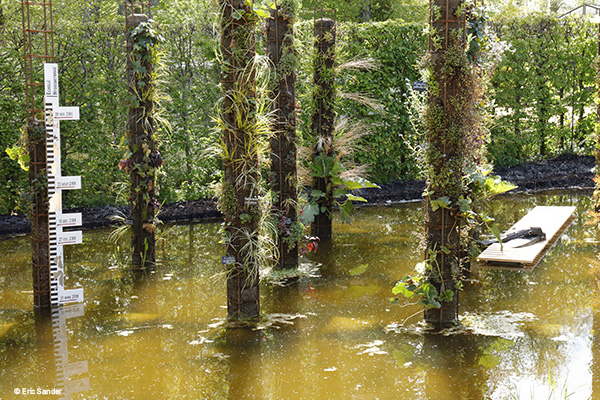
[(358, 183), (352, 197), (400, 288), (261, 13), (495, 186)]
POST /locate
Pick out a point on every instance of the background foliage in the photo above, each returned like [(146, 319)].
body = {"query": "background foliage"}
[(548, 70), (548, 67)]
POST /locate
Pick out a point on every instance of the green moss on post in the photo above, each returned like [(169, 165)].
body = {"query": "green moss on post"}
[(323, 119), (446, 131), (143, 159), (283, 178), (597, 133), (240, 200)]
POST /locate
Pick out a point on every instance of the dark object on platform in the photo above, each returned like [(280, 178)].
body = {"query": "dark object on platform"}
[(534, 233)]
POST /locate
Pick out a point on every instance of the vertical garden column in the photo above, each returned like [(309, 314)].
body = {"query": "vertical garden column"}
[(323, 120), (283, 178), (597, 132), (447, 124), (239, 198), (143, 160)]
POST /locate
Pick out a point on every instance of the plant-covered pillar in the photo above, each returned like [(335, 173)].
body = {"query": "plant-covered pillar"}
[(283, 177), (597, 132), (323, 121), (446, 128), (143, 159), (239, 194)]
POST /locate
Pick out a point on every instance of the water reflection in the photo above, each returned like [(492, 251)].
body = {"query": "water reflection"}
[(70, 377), (330, 333)]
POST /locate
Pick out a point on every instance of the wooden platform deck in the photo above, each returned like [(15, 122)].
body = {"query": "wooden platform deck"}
[(553, 221)]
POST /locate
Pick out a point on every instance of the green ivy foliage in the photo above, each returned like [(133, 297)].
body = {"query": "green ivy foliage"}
[(547, 69)]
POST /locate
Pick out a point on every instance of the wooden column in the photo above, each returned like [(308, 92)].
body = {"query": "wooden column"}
[(239, 199), (445, 135), (283, 178), (323, 119), (140, 128)]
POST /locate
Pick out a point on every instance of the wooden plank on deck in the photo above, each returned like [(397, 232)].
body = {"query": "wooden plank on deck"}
[(552, 219)]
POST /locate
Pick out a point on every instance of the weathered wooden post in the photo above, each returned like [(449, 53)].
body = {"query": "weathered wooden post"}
[(239, 199), (144, 159), (445, 135), (323, 119), (283, 178)]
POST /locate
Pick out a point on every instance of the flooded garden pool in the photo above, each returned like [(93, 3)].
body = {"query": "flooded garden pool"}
[(333, 334)]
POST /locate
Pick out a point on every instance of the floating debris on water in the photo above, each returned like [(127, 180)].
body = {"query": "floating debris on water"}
[(371, 348), (280, 277), (499, 324), (273, 320), (502, 323), (200, 340)]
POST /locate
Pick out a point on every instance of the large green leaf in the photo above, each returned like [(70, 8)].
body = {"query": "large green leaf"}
[(442, 202), (308, 213), (358, 183), (352, 197), (345, 210), (495, 185)]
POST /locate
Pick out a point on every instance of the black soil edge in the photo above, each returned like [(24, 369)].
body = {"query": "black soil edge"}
[(567, 171)]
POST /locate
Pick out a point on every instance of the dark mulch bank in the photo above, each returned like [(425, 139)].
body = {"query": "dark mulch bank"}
[(564, 172), (567, 171)]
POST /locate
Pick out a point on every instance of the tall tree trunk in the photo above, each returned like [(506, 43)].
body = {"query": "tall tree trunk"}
[(448, 105), (239, 199), (323, 120), (283, 178)]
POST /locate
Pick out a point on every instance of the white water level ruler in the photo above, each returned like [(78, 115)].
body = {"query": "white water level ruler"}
[(66, 370), (56, 184)]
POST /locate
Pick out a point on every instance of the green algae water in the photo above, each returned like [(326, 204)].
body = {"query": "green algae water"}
[(333, 334)]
